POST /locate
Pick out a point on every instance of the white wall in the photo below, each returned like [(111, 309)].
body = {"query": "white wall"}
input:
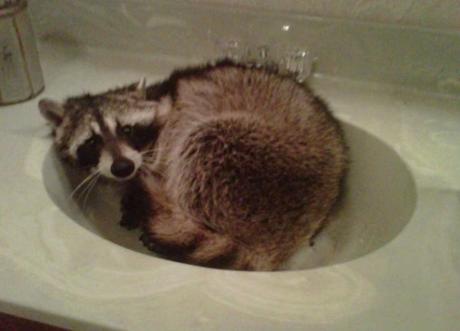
[(437, 14), (346, 48)]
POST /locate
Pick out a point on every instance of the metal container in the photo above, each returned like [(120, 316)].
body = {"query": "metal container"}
[(21, 75)]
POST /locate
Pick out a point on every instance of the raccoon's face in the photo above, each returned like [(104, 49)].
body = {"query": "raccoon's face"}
[(110, 133)]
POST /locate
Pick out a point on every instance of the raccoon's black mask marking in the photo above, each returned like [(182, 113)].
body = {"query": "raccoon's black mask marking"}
[(89, 152), (138, 136)]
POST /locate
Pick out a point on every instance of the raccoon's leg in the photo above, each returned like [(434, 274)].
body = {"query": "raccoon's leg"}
[(179, 239), (215, 251), (136, 205), (168, 236)]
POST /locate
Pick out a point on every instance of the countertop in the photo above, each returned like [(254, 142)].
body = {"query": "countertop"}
[(56, 271)]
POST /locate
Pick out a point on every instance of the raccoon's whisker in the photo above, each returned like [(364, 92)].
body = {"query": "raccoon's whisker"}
[(151, 172), (89, 185), (147, 157), (150, 152), (83, 194), (90, 188), (82, 184), (148, 161), (152, 149)]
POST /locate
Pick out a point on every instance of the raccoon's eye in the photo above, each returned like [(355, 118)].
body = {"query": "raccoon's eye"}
[(139, 136), (127, 130), (91, 141)]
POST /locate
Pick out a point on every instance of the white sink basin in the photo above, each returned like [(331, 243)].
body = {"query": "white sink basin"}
[(378, 202)]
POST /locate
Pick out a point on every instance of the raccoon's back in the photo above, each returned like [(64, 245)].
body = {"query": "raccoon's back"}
[(225, 89), (253, 154)]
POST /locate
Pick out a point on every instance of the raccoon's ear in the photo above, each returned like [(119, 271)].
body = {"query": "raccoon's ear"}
[(51, 110), (141, 90)]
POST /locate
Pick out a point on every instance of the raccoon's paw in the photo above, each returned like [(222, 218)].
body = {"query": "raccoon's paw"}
[(170, 248), (147, 241), (182, 240), (171, 236), (215, 251), (203, 249)]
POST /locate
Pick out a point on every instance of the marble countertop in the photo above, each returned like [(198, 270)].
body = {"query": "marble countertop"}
[(56, 271)]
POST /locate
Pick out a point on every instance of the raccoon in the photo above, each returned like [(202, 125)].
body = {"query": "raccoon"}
[(109, 135), (251, 164)]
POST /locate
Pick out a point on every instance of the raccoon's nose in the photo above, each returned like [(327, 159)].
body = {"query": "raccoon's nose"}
[(122, 167)]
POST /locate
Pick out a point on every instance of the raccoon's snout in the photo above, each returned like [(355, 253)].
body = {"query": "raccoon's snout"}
[(122, 167)]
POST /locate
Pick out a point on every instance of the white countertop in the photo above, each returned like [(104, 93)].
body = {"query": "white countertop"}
[(54, 270)]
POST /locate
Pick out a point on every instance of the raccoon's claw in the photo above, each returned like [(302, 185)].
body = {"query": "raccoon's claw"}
[(147, 241)]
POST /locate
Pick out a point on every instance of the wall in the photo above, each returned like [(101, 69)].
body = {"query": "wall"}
[(437, 14), (356, 49)]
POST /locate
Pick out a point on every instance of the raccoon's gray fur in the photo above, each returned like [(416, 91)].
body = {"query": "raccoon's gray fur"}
[(252, 163)]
